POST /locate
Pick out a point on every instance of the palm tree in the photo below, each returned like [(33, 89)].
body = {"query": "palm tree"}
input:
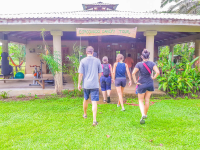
[(183, 6)]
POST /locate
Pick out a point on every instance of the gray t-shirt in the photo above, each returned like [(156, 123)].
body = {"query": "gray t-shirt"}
[(90, 67), (145, 76)]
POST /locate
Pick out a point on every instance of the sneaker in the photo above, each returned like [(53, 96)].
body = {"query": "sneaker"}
[(142, 121), (123, 109), (145, 117), (118, 105), (108, 99)]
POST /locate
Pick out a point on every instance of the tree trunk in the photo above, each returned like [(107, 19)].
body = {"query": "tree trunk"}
[(19, 64)]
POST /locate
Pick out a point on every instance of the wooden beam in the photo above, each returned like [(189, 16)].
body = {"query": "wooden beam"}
[(13, 39), (180, 40)]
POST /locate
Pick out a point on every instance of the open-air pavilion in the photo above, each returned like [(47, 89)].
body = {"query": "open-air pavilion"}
[(153, 30)]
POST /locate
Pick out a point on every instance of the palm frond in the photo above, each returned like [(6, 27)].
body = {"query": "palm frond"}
[(165, 2), (194, 7), (171, 8)]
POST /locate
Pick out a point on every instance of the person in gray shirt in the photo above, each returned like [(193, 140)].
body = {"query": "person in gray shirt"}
[(90, 70)]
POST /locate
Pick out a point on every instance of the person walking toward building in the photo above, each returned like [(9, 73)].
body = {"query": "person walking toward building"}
[(105, 79), (145, 82), (95, 54), (90, 70), (129, 61), (119, 71)]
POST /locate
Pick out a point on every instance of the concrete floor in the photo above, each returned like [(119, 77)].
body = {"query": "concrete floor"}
[(16, 88)]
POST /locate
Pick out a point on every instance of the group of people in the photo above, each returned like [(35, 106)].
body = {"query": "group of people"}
[(92, 72)]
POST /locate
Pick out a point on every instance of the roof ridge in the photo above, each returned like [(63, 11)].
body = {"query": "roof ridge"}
[(104, 12)]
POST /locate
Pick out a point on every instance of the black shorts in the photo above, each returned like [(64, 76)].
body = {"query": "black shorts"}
[(145, 87), (120, 82)]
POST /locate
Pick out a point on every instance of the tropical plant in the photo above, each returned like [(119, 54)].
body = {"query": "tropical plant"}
[(72, 68), (176, 82), (182, 6), (53, 61)]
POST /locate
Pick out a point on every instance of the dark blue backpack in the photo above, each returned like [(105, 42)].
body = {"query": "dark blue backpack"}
[(106, 70)]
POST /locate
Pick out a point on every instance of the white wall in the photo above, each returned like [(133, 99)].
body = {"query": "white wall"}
[(34, 58)]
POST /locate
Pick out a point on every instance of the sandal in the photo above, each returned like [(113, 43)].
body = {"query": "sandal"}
[(95, 123), (104, 101), (84, 116)]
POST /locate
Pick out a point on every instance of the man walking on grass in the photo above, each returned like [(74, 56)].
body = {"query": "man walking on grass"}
[(89, 72)]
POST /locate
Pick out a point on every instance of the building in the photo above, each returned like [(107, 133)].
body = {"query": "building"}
[(153, 30)]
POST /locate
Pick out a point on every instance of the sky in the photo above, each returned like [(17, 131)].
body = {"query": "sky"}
[(34, 6)]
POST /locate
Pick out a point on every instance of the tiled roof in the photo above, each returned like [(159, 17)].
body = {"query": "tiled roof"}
[(100, 14)]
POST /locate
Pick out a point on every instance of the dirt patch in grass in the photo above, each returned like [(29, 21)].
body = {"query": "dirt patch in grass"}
[(29, 98)]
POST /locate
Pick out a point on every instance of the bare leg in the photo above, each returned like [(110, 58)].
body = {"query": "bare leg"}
[(146, 106), (122, 91), (119, 91), (85, 106), (94, 109), (141, 103), (104, 95), (108, 93)]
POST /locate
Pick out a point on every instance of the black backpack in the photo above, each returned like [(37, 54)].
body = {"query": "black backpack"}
[(106, 70)]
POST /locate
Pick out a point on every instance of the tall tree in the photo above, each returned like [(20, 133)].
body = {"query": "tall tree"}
[(17, 52), (182, 6)]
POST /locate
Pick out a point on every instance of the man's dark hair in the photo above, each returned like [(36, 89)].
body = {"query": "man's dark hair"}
[(89, 50), (95, 54), (129, 55)]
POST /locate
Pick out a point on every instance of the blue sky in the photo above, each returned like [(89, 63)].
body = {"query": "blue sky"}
[(27, 6)]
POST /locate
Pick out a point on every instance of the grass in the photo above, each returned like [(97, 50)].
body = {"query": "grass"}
[(58, 124)]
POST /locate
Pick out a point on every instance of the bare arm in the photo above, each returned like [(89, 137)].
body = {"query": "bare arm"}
[(155, 68), (111, 71), (100, 75), (80, 77), (129, 75), (133, 74), (114, 71)]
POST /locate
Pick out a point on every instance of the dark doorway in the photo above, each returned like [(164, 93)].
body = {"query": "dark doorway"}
[(123, 52)]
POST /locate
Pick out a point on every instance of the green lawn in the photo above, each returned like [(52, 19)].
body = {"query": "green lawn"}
[(58, 124)]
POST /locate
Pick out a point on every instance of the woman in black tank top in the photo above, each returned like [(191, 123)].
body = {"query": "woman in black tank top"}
[(145, 82)]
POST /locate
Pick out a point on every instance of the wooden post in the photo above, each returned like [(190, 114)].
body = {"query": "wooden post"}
[(172, 50), (197, 53)]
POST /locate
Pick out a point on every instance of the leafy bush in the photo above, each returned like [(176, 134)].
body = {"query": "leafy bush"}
[(73, 93), (179, 79)]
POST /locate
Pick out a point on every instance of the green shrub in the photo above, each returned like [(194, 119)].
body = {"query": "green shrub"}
[(21, 96), (4, 94)]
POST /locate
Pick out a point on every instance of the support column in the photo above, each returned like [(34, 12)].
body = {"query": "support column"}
[(150, 43), (171, 46), (5, 45), (57, 51), (197, 53)]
